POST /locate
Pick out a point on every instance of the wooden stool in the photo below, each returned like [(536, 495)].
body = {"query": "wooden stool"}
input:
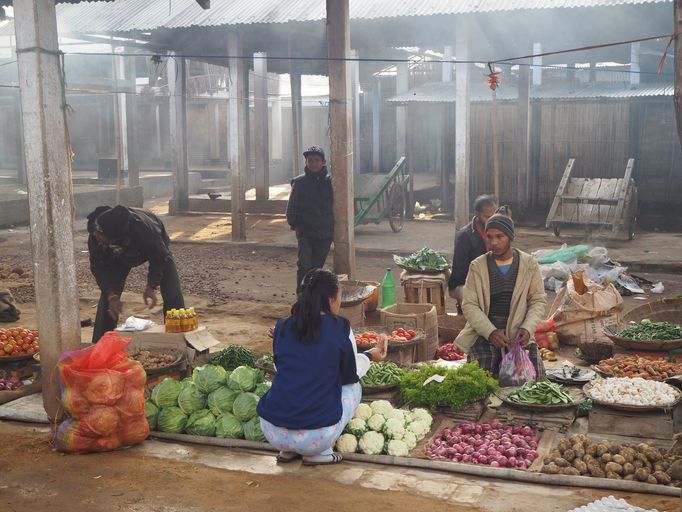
[(419, 292)]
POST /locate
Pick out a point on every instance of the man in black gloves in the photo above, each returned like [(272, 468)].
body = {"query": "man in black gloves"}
[(310, 212), (122, 238)]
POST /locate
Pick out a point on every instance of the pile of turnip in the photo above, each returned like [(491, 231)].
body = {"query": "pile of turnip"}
[(490, 444)]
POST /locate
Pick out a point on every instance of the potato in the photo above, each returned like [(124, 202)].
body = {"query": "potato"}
[(652, 480), (642, 474), (638, 464), (629, 454), (579, 450), (618, 459), (629, 477), (564, 444), (642, 447), (595, 470), (653, 455), (614, 449), (628, 469), (579, 439), (588, 458), (591, 450), (662, 477), (658, 467), (570, 472), (580, 466), (614, 468), (547, 460), (602, 449), (613, 476), (642, 457), (569, 455), (606, 458), (561, 462), (551, 469)]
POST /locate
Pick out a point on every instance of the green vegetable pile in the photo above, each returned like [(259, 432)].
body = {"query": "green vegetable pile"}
[(234, 356), (380, 374), (423, 259), (648, 330), (213, 402), (267, 360), (540, 392), (461, 386)]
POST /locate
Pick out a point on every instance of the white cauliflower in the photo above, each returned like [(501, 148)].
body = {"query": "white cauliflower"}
[(419, 428), (410, 440), (357, 427), (347, 443), (398, 414), (372, 443), (382, 407), (394, 428), (397, 448), (376, 422), (421, 415), (364, 411)]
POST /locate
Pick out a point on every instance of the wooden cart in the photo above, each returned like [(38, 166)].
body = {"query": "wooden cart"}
[(378, 196), (595, 203)]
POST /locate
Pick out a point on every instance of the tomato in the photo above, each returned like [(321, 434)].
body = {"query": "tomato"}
[(411, 332)]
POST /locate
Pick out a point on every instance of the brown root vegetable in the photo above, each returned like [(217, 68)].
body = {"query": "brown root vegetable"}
[(652, 480), (569, 455), (555, 454), (579, 439), (561, 462), (591, 450), (628, 454), (675, 470), (547, 460), (653, 455), (606, 458), (618, 459), (570, 471), (551, 469), (595, 470), (579, 451), (563, 445), (613, 476), (629, 477), (613, 449), (642, 474), (638, 464), (614, 468), (642, 447), (628, 469), (602, 449), (580, 466), (662, 477)]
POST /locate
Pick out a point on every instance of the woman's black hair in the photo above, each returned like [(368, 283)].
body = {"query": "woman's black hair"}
[(317, 288)]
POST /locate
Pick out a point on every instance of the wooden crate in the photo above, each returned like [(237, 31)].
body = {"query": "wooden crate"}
[(649, 425), (557, 421), (426, 293), (471, 412), (392, 396)]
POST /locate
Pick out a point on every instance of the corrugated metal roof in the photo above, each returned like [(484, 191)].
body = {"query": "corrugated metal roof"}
[(444, 92), (129, 15)]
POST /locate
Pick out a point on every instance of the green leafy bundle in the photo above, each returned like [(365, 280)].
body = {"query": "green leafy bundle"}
[(540, 392), (423, 259), (461, 386), (235, 356), (648, 330), (383, 373)]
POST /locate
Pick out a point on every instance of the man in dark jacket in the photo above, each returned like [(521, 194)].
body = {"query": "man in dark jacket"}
[(310, 213), (122, 238), (470, 243)]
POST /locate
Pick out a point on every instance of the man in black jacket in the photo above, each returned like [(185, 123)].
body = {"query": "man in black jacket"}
[(470, 243), (310, 213), (122, 238)]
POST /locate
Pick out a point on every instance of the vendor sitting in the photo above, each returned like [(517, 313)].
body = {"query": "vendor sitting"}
[(504, 300), (316, 390)]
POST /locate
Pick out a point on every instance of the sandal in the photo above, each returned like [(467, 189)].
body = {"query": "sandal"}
[(284, 457), (322, 460)]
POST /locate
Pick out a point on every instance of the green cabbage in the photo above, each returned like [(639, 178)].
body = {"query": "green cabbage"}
[(227, 425), (252, 430), (244, 407), (172, 419), (246, 378), (191, 399), (222, 400), (209, 377), (201, 423), (152, 413), (262, 388), (165, 394)]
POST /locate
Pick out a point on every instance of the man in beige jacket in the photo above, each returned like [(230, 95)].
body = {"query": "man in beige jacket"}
[(504, 300)]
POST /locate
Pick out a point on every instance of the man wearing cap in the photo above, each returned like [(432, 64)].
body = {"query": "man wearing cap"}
[(310, 213), (122, 238), (504, 300)]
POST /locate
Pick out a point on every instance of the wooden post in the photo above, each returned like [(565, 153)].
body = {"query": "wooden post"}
[(296, 113), (131, 121), (678, 68), (262, 139), (462, 124), (341, 160), (177, 88), (402, 85), (48, 165), (376, 126), (496, 149), (523, 119), (237, 136), (446, 138)]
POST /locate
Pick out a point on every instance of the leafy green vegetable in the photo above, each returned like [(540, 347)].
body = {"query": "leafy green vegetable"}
[(382, 373), (227, 425), (252, 430), (540, 392), (191, 399), (172, 419), (648, 330), (267, 359), (245, 378), (209, 377), (201, 423), (423, 259), (460, 387), (235, 356), (262, 388), (222, 400), (245, 406), (152, 413), (166, 392)]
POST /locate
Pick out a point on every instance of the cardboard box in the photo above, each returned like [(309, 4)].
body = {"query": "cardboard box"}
[(19, 369), (354, 314), (414, 316), (194, 343)]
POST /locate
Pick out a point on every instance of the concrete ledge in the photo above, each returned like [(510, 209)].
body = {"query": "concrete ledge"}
[(160, 185), (220, 205)]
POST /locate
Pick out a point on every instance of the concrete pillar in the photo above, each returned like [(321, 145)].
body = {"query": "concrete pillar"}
[(214, 141), (296, 125), (131, 122), (447, 65), (262, 142), (48, 165), (376, 126), (462, 125), (120, 141), (537, 64), (340, 110), (177, 88), (402, 85), (355, 80), (21, 160), (523, 119), (276, 117), (237, 136), (634, 64)]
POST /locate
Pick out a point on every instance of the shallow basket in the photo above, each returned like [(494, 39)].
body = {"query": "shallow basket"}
[(663, 310), (577, 395), (587, 389)]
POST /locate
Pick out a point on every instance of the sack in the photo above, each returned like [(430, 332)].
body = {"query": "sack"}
[(581, 318), (516, 367), (102, 392)]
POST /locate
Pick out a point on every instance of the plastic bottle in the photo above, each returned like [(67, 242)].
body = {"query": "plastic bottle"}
[(195, 319), (387, 289), (170, 320), (184, 324)]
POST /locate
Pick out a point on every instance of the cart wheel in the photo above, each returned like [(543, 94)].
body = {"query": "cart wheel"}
[(557, 231), (396, 208)]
